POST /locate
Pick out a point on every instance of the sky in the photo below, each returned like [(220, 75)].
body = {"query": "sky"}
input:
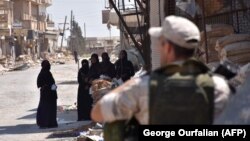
[(85, 11)]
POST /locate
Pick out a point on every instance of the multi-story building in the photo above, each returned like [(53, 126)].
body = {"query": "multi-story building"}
[(6, 19), (30, 24)]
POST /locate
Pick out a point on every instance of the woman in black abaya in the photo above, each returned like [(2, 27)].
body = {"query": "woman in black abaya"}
[(47, 108), (84, 100)]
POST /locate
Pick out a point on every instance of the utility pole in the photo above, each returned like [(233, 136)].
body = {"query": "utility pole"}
[(71, 20), (85, 31), (63, 31)]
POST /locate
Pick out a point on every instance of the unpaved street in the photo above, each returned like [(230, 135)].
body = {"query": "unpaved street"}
[(19, 99)]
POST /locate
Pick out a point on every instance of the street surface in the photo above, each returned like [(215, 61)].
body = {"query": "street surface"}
[(19, 99)]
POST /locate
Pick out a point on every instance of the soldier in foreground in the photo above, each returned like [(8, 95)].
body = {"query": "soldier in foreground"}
[(182, 91)]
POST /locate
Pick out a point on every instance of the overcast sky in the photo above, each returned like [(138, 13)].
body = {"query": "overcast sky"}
[(88, 11)]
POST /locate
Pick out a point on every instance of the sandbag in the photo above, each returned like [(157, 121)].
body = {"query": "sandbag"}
[(234, 38), (214, 32), (217, 30), (237, 52)]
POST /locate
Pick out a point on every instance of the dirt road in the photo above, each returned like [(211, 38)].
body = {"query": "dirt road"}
[(19, 99)]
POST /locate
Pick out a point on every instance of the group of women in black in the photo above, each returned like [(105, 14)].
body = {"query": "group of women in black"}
[(47, 109), (122, 69)]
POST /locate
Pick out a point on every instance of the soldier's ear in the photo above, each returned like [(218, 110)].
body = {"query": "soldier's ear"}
[(168, 47)]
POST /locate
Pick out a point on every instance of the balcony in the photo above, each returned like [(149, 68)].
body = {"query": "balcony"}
[(50, 24), (30, 25), (6, 5), (29, 17), (36, 1), (47, 2)]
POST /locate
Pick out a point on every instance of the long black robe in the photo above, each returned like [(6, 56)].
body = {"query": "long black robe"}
[(84, 99), (124, 69), (47, 108), (107, 68), (94, 71)]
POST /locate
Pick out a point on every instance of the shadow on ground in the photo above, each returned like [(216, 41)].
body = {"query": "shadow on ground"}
[(67, 121), (23, 129), (30, 116), (67, 83)]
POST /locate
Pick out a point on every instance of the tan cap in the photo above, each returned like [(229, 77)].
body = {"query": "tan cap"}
[(179, 31)]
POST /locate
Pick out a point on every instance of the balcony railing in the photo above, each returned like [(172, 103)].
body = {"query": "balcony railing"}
[(29, 17), (30, 25), (50, 24)]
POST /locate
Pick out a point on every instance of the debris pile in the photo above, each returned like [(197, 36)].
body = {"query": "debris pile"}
[(3, 60), (27, 59), (60, 57), (2, 69), (214, 32), (235, 47), (63, 108), (95, 134)]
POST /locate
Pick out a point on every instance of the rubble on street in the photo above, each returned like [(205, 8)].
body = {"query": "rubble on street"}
[(24, 62)]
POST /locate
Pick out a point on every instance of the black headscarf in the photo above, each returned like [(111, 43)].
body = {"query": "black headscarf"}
[(105, 57), (45, 65), (94, 71), (45, 77), (96, 57), (124, 67), (106, 67), (85, 66), (125, 55)]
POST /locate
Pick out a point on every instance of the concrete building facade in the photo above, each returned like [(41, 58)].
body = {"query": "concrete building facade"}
[(6, 20), (25, 27)]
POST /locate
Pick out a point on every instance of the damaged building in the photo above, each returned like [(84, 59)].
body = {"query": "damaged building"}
[(27, 30)]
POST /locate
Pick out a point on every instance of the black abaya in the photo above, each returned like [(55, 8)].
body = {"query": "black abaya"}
[(84, 99), (47, 108)]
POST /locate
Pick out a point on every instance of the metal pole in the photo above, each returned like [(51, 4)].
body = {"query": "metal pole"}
[(63, 31), (85, 31), (123, 5), (126, 27), (205, 30), (138, 20), (141, 6), (71, 20)]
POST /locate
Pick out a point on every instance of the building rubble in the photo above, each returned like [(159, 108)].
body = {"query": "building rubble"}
[(23, 62)]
